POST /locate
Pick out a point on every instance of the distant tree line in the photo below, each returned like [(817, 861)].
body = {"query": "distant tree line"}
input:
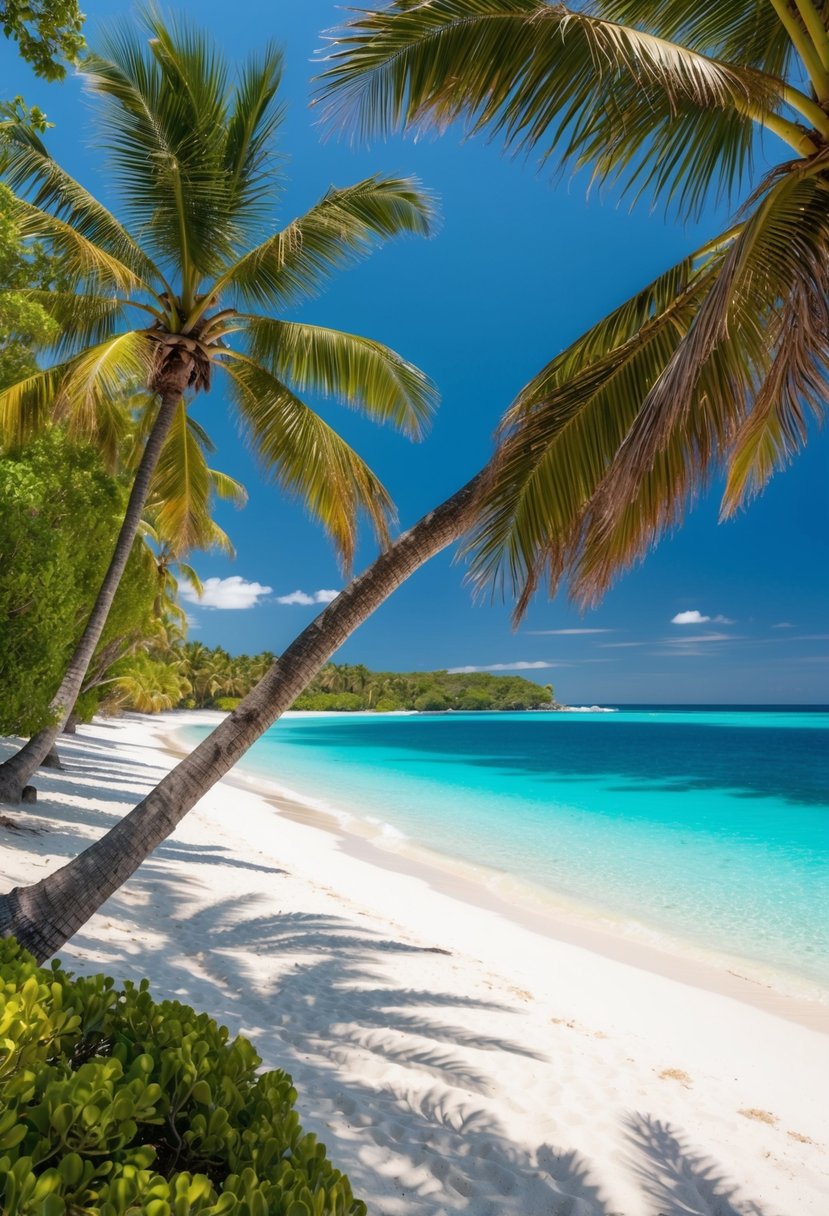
[(210, 678)]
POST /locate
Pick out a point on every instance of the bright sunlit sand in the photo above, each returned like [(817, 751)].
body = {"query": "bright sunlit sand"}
[(452, 1059)]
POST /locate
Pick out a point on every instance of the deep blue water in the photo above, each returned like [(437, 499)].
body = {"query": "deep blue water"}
[(710, 826)]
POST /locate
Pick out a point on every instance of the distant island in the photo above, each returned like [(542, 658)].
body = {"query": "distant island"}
[(210, 678)]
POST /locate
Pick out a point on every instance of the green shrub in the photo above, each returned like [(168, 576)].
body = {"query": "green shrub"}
[(431, 700), (113, 1103), (227, 703)]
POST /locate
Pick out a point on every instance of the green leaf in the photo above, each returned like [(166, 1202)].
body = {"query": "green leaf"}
[(355, 370), (307, 457)]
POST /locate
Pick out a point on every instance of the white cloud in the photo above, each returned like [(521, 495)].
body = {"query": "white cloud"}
[(783, 625), (227, 593), (564, 632), (693, 617), (324, 596), (519, 666), (619, 645)]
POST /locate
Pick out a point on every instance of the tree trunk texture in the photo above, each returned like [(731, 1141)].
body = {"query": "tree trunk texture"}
[(44, 916), (19, 768)]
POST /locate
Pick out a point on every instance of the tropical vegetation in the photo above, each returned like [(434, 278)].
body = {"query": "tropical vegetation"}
[(210, 678), (47, 569), (194, 285), (113, 1103), (713, 367)]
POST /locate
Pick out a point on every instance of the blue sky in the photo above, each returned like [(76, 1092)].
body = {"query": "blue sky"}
[(520, 266)]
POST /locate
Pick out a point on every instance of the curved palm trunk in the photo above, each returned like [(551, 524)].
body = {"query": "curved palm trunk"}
[(44, 916), (17, 771)]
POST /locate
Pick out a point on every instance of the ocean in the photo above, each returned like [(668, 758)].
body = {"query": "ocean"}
[(705, 829)]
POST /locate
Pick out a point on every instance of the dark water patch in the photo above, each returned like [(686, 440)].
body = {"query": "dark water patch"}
[(752, 762)]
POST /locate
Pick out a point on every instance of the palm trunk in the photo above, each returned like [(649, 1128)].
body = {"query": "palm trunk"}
[(18, 770), (44, 916)]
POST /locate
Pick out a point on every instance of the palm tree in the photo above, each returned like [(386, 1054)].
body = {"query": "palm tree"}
[(688, 119), (193, 285), (715, 366), (45, 915), (177, 520)]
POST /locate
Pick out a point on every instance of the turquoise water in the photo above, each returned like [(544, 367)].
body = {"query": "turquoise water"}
[(711, 827)]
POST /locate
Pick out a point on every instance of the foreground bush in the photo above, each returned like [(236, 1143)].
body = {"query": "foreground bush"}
[(112, 1103)]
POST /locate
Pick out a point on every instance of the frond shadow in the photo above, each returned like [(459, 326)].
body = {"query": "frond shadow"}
[(678, 1180)]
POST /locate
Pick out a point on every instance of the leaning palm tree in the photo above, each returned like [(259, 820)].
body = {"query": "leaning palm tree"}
[(738, 330), (191, 285)]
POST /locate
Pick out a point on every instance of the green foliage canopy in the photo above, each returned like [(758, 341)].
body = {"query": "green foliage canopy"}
[(24, 322), (214, 679), (47, 32), (59, 514)]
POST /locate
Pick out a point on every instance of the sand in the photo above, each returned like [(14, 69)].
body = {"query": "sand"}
[(453, 1057)]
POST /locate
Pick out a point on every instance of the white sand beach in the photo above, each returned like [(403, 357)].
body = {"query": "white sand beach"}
[(453, 1058)]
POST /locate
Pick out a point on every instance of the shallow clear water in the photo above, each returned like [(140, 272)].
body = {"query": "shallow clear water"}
[(709, 826)]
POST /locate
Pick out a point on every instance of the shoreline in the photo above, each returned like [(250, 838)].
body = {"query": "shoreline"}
[(453, 1060), (528, 906)]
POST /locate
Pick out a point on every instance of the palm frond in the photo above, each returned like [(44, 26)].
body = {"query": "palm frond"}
[(609, 445), (26, 407), (356, 371), (743, 31), (167, 170), (182, 490), (227, 488), (562, 434), (187, 571), (307, 458), (642, 110), (191, 154), (27, 166), (96, 381), (797, 383), (253, 121), (85, 261), (346, 225), (776, 263)]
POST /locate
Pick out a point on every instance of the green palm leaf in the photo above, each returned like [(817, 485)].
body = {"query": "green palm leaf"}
[(357, 371), (82, 259), (181, 495), (564, 432), (86, 393), (26, 407), (638, 108), (554, 458), (27, 165), (192, 154), (307, 458), (607, 447), (345, 225), (249, 161)]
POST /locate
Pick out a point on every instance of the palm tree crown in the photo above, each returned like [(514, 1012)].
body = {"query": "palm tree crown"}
[(716, 365), (193, 279)]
